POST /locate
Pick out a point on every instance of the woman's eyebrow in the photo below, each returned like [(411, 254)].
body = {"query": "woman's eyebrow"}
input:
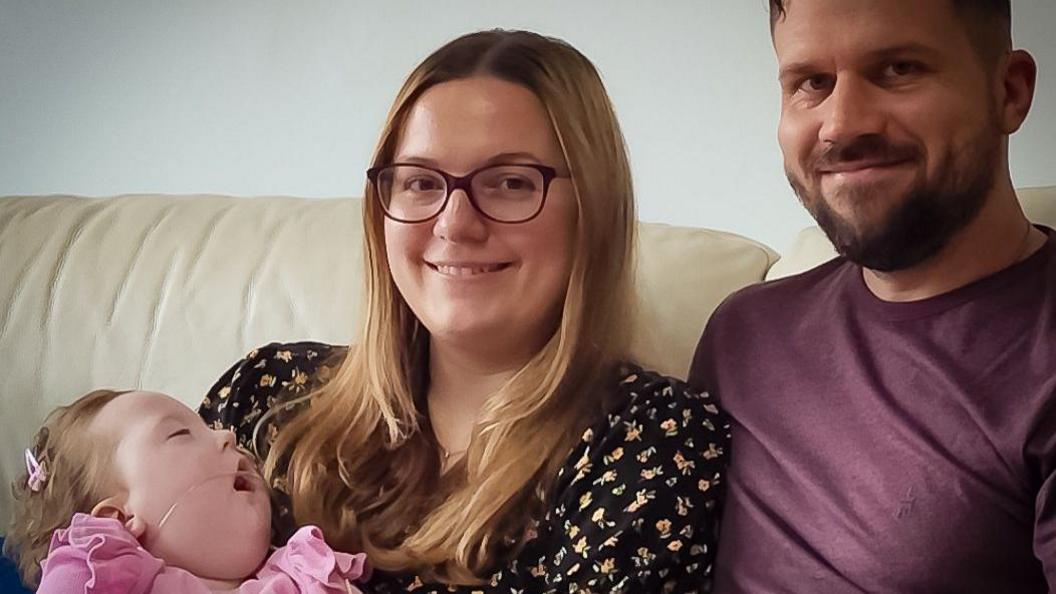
[(505, 157), (512, 156), (425, 161)]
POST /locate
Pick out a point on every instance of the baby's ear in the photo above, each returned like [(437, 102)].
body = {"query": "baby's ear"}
[(136, 526), (111, 507), (115, 507)]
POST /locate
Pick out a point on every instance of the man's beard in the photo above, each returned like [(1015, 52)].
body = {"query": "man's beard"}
[(919, 225)]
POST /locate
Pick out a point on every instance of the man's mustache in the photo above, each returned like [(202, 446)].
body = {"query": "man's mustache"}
[(863, 148)]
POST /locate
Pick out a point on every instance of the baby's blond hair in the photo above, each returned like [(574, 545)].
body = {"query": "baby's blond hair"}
[(76, 471)]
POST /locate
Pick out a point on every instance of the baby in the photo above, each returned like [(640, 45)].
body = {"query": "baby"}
[(132, 492)]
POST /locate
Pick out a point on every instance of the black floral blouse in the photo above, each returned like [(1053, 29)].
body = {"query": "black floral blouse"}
[(635, 508)]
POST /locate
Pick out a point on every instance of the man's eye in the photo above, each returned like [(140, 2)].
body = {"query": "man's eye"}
[(902, 68), (178, 433), (816, 83)]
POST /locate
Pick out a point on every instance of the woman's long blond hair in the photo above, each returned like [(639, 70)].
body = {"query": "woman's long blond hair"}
[(77, 466), (364, 464)]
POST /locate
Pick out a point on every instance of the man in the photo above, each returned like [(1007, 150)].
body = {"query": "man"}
[(895, 409)]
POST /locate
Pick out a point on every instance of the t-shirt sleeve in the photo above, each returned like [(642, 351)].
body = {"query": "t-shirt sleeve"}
[(640, 511), (1045, 511), (275, 374), (1045, 530)]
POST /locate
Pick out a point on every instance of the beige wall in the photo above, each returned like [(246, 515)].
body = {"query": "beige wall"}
[(267, 97)]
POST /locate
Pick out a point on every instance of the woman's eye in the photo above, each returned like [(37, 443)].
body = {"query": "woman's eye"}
[(423, 184), (179, 433), (517, 184)]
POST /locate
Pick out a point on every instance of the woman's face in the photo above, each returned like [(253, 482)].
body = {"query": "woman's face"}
[(475, 283), (165, 454)]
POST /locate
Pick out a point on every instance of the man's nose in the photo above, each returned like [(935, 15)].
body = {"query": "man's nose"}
[(852, 111)]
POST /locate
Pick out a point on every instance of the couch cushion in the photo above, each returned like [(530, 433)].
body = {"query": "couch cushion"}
[(811, 247), (683, 275), (163, 292), (159, 293)]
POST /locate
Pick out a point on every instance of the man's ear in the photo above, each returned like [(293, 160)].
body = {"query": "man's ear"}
[(117, 508), (1019, 78)]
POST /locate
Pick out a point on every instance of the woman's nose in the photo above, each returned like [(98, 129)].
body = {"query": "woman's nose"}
[(460, 222)]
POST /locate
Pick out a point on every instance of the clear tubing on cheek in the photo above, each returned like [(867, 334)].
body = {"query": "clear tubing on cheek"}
[(243, 480)]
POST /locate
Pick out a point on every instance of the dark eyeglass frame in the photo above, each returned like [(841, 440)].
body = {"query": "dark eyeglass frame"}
[(464, 183)]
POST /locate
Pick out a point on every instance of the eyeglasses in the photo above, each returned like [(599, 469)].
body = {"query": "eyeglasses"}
[(503, 193)]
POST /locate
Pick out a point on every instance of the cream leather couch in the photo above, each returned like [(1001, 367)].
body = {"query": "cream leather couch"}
[(164, 292)]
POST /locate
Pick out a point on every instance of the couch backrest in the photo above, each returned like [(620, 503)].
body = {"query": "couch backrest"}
[(164, 292), (811, 247)]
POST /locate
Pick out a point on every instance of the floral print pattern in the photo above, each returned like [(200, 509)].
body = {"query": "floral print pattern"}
[(634, 509)]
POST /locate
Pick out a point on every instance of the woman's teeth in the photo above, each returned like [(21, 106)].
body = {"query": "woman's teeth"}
[(448, 270)]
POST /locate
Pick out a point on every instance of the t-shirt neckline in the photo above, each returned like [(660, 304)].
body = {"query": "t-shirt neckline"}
[(910, 310)]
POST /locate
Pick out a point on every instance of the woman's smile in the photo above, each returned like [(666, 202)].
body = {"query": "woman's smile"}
[(467, 270)]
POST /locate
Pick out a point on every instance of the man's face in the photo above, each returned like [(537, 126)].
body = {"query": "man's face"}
[(889, 124)]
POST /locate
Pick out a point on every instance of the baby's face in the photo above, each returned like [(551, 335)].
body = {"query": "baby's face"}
[(165, 454)]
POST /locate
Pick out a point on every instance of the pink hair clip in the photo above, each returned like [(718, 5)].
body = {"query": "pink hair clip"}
[(38, 472)]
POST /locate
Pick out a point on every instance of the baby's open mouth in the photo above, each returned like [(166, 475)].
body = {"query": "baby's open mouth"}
[(243, 484), (247, 475)]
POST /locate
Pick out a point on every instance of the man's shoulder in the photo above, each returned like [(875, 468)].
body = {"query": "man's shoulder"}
[(785, 293)]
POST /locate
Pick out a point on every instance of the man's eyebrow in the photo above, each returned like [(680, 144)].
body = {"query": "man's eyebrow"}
[(796, 70), (917, 49), (803, 68)]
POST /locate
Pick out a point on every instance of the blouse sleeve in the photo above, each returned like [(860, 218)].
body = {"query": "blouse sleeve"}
[(275, 374), (260, 393), (639, 510), (97, 555), (306, 563)]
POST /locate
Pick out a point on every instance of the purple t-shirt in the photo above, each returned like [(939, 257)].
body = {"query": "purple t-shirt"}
[(888, 447)]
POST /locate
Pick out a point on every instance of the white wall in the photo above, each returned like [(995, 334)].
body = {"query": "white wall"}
[(269, 97)]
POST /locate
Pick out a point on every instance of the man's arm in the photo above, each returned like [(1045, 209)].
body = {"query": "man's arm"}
[(1045, 525)]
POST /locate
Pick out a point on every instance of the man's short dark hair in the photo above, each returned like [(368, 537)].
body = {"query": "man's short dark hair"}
[(989, 22)]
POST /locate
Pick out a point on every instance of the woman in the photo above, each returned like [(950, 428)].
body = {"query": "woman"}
[(487, 432)]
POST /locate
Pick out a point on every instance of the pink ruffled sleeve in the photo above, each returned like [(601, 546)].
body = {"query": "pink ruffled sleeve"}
[(97, 556), (307, 565)]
